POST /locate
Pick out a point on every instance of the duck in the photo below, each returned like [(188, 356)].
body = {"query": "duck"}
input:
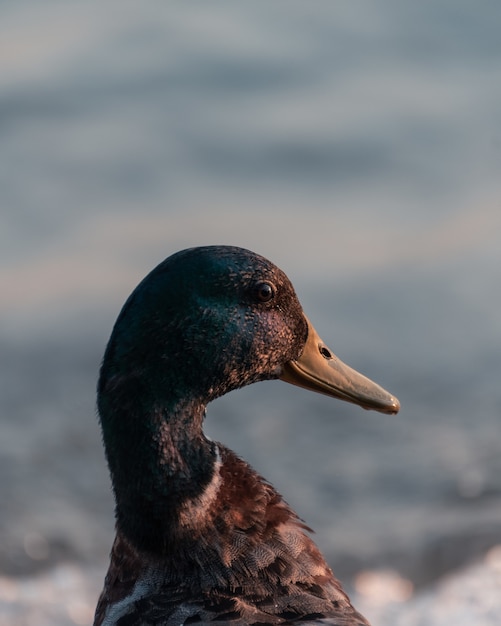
[(201, 537)]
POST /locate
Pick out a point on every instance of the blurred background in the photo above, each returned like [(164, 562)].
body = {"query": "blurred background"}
[(356, 144)]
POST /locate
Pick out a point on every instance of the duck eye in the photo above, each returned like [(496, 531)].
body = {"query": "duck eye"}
[(264, 292)]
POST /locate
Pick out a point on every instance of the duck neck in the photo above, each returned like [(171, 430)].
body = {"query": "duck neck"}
[(160, 461)]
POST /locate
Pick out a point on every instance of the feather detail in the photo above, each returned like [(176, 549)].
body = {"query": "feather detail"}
[(250, 546)]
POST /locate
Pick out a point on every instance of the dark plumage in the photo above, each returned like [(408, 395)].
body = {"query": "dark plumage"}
[(201, 537)]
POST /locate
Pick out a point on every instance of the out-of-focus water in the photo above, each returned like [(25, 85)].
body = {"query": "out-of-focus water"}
[(356, 144)]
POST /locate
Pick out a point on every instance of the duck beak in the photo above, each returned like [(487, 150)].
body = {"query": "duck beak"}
[(318, 369)]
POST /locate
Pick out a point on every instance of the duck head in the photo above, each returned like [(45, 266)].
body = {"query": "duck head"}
[(211, 319)]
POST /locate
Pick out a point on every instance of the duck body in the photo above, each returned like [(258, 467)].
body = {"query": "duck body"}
[(201, 537)]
